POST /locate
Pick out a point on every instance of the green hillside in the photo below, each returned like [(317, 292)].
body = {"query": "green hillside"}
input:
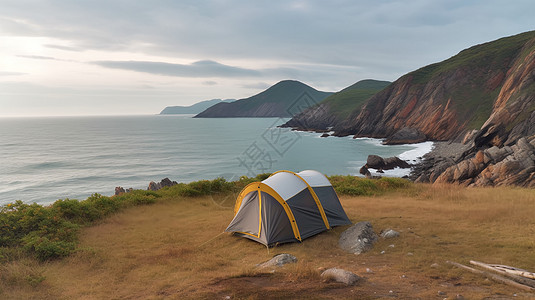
[(353, 97), (475, 100), (284, 99)]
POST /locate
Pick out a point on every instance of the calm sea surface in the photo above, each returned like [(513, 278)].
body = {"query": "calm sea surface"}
[(45, 159)]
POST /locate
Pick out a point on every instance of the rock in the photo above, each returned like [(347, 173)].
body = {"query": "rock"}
[(119, 190), (325, 135), (154, 186), (405, 136), (364, 171), (340, 275), (389, 233), (358, 238), (278, 261), (377, 162)]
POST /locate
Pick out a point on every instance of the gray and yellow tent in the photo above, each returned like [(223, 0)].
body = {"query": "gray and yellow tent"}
[(287, 207)]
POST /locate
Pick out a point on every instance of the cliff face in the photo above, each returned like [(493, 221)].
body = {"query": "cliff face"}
[(488, 87), (284, 99), (483, 97)]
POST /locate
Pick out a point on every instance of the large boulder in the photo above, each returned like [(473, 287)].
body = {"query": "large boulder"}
[(377, 162), (358, 238), (340, 275)]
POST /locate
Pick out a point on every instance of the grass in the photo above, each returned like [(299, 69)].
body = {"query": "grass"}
[(346, 101), (174, 249)]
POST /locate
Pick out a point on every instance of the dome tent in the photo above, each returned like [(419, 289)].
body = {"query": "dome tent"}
[(287, 207)]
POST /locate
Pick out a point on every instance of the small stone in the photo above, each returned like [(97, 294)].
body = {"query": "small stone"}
[(340, 275), (459, 297), (389, 233), (278, 261), (358, 238), (435, 265), (383, 252), (368, 270), (391, 246), (410, 254), (441, 293)]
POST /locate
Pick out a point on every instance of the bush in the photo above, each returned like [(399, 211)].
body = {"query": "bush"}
[(50, 232), (357, 186)]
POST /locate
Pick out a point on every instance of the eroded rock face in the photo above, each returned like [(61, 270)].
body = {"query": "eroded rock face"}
[(358, 238), (506, 165)]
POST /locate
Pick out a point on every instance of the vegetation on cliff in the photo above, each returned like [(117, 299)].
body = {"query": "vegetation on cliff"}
[(337, 107)]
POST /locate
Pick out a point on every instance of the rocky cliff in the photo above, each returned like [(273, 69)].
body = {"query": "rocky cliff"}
[(284, 99), (484, 97), (335, 108)]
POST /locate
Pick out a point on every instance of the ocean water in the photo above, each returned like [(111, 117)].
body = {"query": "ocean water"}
[(50, 158)]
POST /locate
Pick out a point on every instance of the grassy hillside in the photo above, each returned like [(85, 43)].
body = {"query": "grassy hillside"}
[(474, 100), (174, 248), (353, 97)]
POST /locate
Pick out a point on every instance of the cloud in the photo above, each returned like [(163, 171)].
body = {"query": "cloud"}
[(198, 69), (11, 73), (257, 85), (37, 57), (209, 82), (65, 48)]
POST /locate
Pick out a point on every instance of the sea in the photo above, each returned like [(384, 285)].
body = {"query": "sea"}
[(43, 159)]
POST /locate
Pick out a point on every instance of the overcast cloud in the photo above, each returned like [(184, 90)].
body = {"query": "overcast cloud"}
[(94, 55)]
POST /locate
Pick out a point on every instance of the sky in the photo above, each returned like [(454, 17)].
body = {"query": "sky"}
[(129, 57)]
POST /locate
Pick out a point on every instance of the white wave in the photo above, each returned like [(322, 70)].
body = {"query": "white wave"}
[(415, 154)]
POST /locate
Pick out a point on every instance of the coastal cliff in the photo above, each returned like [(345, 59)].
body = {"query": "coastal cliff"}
[(283, 99), (483, 97)]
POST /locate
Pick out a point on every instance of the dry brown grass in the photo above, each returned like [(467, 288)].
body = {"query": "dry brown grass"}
[(172, 250)]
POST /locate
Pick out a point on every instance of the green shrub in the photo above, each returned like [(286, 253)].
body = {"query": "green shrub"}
[(46, 249), (357, 186)]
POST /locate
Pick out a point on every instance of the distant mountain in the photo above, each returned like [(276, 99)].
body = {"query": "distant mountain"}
[(284, 99), (193, 109), (337, 107)]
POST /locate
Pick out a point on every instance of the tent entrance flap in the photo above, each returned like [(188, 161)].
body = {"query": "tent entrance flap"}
[(247, 220)]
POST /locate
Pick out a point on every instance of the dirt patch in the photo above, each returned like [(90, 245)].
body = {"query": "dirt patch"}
[(276, 286)]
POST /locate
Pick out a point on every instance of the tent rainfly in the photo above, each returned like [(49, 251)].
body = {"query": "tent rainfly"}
[(287, 207)]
